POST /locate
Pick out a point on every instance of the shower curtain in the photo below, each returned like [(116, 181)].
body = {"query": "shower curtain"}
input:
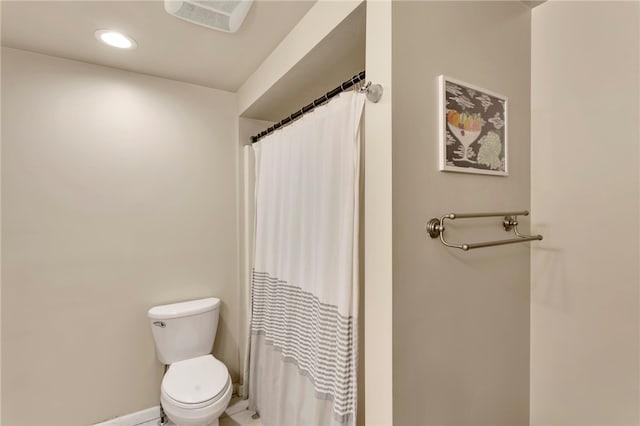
[(304, 292)]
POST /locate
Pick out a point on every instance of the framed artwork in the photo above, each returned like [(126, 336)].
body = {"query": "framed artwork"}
[(473, 129)]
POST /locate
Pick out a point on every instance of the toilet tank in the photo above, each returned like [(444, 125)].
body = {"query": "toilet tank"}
[(184, 330)]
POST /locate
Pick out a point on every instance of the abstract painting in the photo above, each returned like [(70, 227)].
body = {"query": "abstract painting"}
[(473, 129)]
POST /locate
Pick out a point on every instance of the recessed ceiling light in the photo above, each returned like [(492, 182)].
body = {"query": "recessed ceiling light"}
[(116, 39)]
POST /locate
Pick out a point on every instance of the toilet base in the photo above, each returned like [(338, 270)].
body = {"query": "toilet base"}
[(186, 421), (216, 422), (170, 422)]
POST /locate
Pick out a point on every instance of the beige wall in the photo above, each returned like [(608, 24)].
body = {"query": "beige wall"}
[(118, 194), (460, 319), (585, 313), (319, 22), (378, 191)]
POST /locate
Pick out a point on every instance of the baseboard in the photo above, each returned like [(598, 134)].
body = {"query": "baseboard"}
[(134, 419)]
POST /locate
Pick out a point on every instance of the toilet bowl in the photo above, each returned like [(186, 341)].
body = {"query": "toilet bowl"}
[(196, 387), (195, 392)]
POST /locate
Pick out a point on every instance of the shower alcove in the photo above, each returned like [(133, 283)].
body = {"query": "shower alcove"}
[(331, 44)]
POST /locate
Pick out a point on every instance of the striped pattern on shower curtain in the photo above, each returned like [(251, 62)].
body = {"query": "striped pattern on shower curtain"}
[(311, 334)]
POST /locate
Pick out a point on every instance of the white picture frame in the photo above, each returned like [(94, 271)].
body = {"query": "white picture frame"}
[(473, 135)]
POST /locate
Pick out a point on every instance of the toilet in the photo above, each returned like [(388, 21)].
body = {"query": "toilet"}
[(196, 387)]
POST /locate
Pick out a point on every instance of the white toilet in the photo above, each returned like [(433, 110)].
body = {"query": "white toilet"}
[(196, 388)]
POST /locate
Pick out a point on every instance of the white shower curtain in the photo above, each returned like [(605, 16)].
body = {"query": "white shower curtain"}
[(305, 285)]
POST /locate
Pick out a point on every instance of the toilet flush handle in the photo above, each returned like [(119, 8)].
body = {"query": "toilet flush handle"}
[(159, 324)]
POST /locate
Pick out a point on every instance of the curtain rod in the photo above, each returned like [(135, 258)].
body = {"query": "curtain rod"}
[(344, 86)]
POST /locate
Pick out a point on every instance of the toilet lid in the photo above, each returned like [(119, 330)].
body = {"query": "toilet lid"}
[(196, 380)]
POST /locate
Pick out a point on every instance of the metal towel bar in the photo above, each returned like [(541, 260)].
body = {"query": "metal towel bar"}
[(435, 227)]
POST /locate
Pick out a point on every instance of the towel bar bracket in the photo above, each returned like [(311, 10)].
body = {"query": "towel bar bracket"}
[(434, 227), (509, 223)]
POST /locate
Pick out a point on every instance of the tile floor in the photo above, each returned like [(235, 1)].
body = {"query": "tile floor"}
[(236, 414)]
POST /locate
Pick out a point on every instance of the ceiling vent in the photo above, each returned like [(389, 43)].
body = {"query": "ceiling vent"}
[(224, 16)]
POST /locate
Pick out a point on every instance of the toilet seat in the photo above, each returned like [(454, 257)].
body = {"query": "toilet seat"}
[(196, 382), (195, 392)]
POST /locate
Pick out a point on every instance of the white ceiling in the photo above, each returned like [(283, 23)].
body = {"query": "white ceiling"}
[(167, 46)]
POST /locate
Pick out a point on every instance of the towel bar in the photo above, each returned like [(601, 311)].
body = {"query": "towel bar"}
[(436, 228)]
